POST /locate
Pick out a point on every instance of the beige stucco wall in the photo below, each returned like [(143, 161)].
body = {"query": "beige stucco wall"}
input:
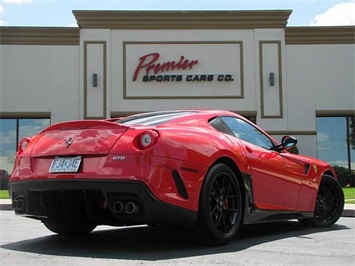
[(36, 78), (50, 70)]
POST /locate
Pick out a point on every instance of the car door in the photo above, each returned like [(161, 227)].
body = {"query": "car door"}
[(276, 181)]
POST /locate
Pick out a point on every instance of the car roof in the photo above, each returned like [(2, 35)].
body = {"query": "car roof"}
[(171, 116)]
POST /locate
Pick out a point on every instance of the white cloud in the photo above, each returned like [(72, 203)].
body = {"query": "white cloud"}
[(8, 137), (343, 163), (2, 23), (75, 25), (322, 137), (33, 129), (340, 14), (18, 1)]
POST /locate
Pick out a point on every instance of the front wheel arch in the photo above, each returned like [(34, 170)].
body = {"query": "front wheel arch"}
[(329, 203), (329, 173)]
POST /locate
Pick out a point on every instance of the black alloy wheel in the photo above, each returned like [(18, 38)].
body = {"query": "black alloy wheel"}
[(220, 209), (329, 204)]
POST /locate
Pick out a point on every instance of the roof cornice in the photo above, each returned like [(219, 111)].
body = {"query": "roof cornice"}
[(320, 35), (181, 19), (40, 35)]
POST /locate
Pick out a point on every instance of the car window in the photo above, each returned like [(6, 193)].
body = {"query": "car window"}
[(219, 125), (247, 132), (153, 119)]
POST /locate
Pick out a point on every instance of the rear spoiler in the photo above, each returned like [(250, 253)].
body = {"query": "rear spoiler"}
[(82, 124)]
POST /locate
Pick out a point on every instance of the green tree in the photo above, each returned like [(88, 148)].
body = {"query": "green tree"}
[(345, 177), (352, 132)]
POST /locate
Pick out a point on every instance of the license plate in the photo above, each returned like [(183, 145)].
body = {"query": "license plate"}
[(65, 164)]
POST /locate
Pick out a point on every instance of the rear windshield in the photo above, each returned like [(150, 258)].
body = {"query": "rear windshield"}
[(153, 119)]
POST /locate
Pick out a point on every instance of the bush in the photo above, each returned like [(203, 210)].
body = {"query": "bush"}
[(3, 184), (345, 176)]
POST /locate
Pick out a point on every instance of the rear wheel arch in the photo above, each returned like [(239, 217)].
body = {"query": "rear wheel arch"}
[(235, 168), (220, 205)]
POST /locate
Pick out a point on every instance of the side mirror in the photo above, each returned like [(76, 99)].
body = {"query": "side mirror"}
[(287, 142)]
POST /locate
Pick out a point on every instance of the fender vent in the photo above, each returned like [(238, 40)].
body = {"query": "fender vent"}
[(180, 185), (306, 168)]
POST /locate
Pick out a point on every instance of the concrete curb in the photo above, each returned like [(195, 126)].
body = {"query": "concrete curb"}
[(5, 205), (349, 209)]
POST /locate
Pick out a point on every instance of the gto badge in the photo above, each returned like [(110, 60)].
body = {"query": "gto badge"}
[(68, 142), (119, 158)]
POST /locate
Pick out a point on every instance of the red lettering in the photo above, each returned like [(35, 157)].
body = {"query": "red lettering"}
[(157, 69), (148, 63), (142, 64)]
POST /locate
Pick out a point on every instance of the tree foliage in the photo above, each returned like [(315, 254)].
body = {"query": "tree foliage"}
[(352, 132), (345, 176)]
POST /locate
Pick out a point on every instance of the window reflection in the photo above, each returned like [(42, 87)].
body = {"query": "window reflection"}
[(11, 131), (7, 137), (30, 127), (247, 132), (334, 141)]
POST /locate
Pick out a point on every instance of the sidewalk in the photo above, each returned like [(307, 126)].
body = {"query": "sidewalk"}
[(349, 209)]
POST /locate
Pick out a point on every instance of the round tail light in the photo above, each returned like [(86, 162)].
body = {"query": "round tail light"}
[(147, 139), (23, 145)]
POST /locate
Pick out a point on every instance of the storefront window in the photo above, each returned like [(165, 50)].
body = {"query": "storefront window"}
[(336, 141), (13, 130)]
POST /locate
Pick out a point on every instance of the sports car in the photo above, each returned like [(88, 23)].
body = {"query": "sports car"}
[(210, 170)]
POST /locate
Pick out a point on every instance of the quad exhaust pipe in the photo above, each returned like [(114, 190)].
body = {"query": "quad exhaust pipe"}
[(18, 205), (129, 207), (117, 207)]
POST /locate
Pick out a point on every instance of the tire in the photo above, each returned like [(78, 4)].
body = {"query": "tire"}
[(70, 229), (329, 204), (220, 206)]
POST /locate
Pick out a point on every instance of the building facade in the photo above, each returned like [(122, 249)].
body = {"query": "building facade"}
[(289, 80)]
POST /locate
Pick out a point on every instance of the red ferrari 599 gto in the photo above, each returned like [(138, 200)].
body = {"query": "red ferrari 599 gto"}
[(207, 169)]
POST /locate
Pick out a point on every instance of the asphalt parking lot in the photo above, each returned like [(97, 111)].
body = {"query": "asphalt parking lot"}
[(28, 242)]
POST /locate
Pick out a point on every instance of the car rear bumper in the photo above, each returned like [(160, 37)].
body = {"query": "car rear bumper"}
[(98, 202)]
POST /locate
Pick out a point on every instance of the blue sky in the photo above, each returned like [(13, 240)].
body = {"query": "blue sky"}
[(59, 12)]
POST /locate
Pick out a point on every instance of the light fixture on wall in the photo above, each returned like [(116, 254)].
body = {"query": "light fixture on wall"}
[(94, 80), (272, 79)]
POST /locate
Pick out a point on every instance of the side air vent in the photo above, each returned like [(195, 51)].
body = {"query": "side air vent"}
[(306, 168), (180, 185)]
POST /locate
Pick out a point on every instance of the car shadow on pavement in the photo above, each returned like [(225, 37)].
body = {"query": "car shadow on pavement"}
[(152, 243)]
